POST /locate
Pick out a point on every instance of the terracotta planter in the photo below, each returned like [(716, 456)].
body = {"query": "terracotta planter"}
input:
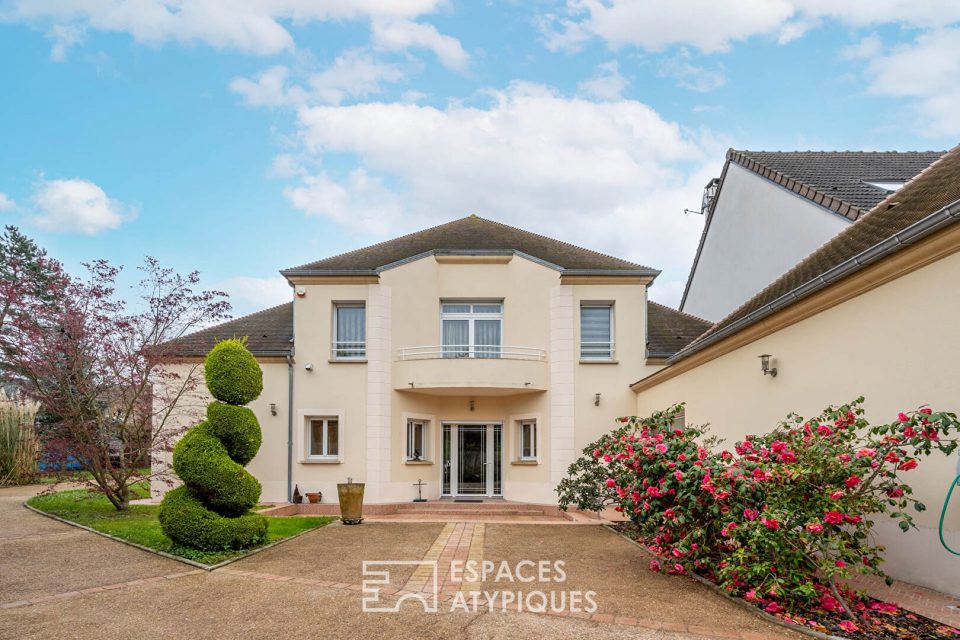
[(314, 498), (351, 502)]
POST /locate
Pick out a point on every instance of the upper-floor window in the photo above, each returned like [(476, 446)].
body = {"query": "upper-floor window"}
[(349, 331), (596, 331), (471, 329)]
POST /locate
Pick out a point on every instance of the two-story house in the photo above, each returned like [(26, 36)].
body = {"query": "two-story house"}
[(474, 356)]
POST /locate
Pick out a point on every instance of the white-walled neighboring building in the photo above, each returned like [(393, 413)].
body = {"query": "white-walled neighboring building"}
[(474, 356), (771, 209), (872, 312)]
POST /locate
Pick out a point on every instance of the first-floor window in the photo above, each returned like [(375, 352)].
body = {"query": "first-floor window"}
[(349, 331), (324, 437), (596, 331), (416, 440), (528, 440)]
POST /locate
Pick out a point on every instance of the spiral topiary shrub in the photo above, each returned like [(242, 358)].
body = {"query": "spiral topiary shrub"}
[(211, 511)]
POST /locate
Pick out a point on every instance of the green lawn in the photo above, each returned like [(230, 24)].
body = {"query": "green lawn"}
[(140, 525)]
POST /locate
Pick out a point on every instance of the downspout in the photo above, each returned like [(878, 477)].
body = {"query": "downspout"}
[(290, 425)]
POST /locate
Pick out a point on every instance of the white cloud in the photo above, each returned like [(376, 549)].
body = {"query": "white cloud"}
[(711, 26), (610, 175), (250, 26), (928, 71), (869, 47), (399, 35), (361, 201), (64, 37), (354, 74), (249, 293), (77, 206), (691, 76), (606, 84), (6, 202)]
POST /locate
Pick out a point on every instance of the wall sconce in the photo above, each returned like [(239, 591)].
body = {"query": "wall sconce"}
[(473, 405), (596, 399), (308, 366), (273, 408), (765, 365)]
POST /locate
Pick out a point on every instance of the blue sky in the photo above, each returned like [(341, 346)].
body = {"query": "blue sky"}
[(239, 138)]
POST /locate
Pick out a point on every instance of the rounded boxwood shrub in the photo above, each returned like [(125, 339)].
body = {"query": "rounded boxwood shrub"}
[(186, 521), (232, 373), (237, 428), (212, 510)]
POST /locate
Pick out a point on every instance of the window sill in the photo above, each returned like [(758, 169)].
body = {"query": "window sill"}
[(322, 461), (418, 462), (525, 463), (597, 361), (347, 361)]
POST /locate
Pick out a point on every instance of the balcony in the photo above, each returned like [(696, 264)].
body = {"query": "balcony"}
[(474, 370)]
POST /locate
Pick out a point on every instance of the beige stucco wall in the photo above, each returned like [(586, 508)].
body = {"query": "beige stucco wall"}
[(759, 230), (898, 345), (270, 464)]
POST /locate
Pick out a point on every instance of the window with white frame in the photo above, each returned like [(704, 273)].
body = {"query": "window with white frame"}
[(323, 438), (349, 331), (596, 331), (417, 440), (528, 439), (471, 329)]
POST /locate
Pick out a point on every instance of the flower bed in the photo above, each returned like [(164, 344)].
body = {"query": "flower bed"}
[(782, 519)]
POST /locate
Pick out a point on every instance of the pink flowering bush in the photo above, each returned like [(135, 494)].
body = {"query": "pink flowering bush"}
[(779, 519)]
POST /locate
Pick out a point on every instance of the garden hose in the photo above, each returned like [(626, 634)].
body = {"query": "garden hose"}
[(212, 510), (943, 514)]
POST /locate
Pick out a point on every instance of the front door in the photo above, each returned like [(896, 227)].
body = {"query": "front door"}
[(472, 457)]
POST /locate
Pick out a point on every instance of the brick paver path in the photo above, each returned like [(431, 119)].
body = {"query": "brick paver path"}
[(457, 542)]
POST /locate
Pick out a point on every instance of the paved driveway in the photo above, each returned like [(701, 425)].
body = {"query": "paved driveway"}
[(88, 586)]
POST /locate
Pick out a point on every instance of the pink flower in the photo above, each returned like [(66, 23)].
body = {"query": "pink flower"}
[(751, 595), (654, 565), (750, 514), (678, 475), (596, 453), (907, 465), (926, 410), (895, 492), (773, 607), (849, 627), (836, 495), (845, 457), (852, 519), (815, 527), (840, 564), (607, 457), (833, 517), (677, 553), (611, 483), (824, 430), (866, 453), (661, 448), (678, 568), (778, 446), (653, 492), (852, 481), (903, 417), (669, 514), (770, 523)]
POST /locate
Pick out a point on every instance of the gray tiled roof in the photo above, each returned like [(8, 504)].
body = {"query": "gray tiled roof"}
[(844, 176), (268, 333), (669, 330), (470, 234), (928, 193)]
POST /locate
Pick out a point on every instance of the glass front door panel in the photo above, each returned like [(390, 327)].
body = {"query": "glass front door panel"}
[(472, 460)]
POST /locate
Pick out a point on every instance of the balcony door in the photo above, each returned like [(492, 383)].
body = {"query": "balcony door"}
[(471, 329), (472, 460)]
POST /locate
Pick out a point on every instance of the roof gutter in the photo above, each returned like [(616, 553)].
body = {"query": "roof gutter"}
[(651, 273), (910, 235)]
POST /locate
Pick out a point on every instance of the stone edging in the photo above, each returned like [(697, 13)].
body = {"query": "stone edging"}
[(170, 556), (738, 601), (89, 590)]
